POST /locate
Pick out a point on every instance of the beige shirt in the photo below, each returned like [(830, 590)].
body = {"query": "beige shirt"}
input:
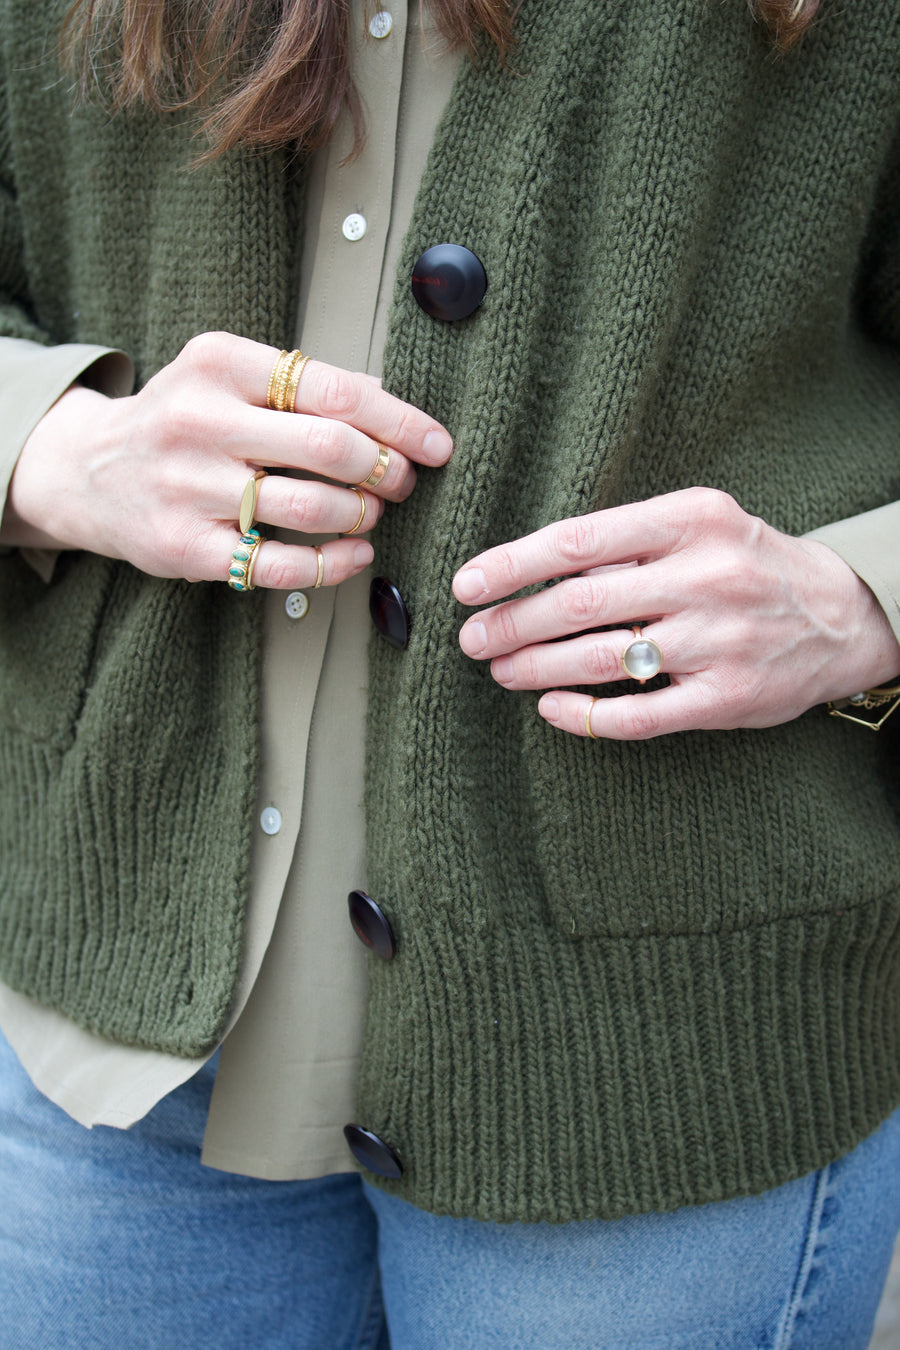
[(284, 1086)]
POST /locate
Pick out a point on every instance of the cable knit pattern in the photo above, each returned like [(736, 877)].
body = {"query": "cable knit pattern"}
[(627, 976)]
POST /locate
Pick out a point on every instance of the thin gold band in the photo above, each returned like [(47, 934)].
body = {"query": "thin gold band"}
[(320, 567), (362, 510), (587, 720)]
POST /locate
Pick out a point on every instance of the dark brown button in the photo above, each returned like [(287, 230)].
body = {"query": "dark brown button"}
[(373, 1152), (389, 613), (370, 924), (449, 282)]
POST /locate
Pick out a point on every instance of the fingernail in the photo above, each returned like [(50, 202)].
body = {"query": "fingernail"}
[(473, 638), (549, 709), (502, 669), (469, 584), (363, 554), (438, 446)]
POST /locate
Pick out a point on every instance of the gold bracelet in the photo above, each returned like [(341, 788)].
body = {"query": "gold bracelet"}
[(881, 702)]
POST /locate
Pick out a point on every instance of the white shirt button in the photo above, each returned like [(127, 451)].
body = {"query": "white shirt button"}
[(296, 604), (381, 24), (354, 227), (270, 820)]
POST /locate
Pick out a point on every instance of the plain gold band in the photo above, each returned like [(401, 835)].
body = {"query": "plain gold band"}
[(587, 720), (379, 468), (320, 567), (362, 510)]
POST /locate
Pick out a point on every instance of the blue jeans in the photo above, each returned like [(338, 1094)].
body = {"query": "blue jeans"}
[(111, 1239)]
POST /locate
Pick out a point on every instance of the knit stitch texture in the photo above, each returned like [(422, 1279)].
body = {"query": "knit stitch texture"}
[(628, 976)]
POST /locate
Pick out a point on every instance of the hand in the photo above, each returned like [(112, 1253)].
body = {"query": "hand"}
[(755, 626), (157, 478)]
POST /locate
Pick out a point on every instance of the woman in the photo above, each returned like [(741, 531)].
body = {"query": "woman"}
[(633, 946)]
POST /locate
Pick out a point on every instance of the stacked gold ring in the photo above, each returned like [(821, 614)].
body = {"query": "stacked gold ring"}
[(281, 393), (240, 572)]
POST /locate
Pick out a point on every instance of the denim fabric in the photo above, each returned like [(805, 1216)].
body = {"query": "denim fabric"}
[(111, 1239), (798, 1268)]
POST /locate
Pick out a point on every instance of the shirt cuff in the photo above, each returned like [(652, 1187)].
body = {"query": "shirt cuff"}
[(32, 378), (870, 544)]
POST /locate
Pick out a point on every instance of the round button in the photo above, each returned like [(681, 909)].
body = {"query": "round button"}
[(354, 226), (296, 605), (380, 24), (373, 1153), (389, 613), (270, 820), (370, 924), (449, 282)]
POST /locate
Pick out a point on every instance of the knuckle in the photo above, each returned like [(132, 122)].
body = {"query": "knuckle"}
[(203, 352), (601, 665), (339, 393), (506, 624), (643, 718), (577, 539), (508, 569), (280, 573), (578, 601)]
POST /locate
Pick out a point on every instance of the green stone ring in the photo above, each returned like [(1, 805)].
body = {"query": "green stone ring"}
[(642, 658), (240, 570)]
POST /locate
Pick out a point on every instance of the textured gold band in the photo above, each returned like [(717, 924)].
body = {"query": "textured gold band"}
[(282, 387)]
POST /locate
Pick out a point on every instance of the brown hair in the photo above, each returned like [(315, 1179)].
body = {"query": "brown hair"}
[(270, 73)]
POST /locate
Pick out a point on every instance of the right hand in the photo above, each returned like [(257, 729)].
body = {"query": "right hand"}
[(157, 478)]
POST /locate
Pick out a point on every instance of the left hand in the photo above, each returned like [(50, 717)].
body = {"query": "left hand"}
[(755, 626)]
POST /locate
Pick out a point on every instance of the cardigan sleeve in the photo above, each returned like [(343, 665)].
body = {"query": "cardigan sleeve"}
[(870, 543)]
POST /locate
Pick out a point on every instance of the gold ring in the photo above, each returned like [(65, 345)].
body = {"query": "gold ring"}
[(587, 720), (320, 566), (249, 501), (290, 393), (378, 469), (642, 658), (240, 571), (362, 510), (282, 386)]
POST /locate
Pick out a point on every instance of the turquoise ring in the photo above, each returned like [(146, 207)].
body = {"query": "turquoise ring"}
[(240, 570)]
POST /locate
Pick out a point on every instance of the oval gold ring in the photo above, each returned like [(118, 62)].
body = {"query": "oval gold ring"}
[(379, 469), (249, 502)]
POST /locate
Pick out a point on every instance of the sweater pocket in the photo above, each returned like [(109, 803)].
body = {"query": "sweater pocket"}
[(48, 642), (711, 832)]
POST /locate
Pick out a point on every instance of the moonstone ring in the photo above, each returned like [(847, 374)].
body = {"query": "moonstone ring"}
[(642, 658)]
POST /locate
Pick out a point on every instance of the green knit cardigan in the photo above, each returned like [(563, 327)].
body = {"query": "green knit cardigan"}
[(628, 976)]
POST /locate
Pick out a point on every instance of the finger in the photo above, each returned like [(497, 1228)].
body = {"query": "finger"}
[(595, 658), (638, 531), (310, 507), (283, 567), (627, 717), (320, 446), (622, 596), (242, 367)]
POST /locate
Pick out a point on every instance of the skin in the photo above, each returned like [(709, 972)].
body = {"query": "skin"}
[(755, 626), (157, 478)]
